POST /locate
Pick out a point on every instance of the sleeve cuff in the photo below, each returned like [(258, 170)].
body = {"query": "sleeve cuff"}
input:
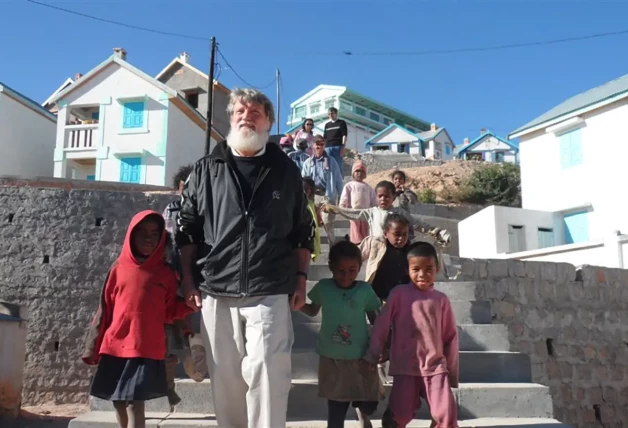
[(369, 357)]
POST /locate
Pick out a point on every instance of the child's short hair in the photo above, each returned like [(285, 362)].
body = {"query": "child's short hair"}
[(344, 249), (387, 185), (309, 181), (181, 175), (301, 143), (422, 249), (399, 173), (400, 219)]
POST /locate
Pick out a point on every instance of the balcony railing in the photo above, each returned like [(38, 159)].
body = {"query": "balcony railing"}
[(81, 137)]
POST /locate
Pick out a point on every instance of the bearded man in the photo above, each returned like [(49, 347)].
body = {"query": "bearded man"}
[(245, 226)]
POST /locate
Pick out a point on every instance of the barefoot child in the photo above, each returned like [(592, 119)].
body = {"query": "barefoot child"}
[(343, 377), (421, 319), (126, 339), (358, 195), (385, 192)]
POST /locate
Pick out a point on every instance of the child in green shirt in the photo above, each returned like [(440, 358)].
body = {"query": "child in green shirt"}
[(308, 188), (344, 338)]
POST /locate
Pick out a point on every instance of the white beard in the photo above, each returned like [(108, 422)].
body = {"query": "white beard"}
[(247, 140)]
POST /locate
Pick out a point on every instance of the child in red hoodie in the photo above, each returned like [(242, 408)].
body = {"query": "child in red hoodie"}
[(127, 338)]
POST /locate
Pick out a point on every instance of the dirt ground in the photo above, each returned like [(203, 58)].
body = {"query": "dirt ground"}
[(47, 416), (438, 178)]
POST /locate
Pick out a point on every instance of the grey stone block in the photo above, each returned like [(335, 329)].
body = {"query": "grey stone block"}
[(498, 366), (521, 400), (472, 337)]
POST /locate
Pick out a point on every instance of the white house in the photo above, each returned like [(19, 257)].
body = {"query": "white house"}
[(432, 144), (572, 172), (365, 117), (27, 136), (489, 147), (130, 127)]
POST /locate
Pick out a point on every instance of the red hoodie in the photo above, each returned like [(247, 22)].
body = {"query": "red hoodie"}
[(136, 301)]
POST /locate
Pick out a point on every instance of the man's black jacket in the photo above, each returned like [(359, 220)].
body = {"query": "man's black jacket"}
[(245, 251)]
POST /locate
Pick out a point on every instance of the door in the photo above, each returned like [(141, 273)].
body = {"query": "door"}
[(130, 170), (516, 239)]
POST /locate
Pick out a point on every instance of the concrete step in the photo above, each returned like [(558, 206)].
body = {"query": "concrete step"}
[(482, 366), (475, 400), (478, 312), (472, 337), (104, 419)]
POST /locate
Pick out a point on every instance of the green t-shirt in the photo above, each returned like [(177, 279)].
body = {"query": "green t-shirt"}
[(344, 333)]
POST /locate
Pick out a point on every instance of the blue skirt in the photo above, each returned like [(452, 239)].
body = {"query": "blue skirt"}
[(129, 379)]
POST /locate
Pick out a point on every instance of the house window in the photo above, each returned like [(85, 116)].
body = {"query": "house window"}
[(546, 237), (447, 149), (576, 227), (192, 98), (315, 108), (386, 121), (300, 112), (95, 115), (570, 148), (499, 156), (133, 115), (345, 106), (130, 170), (360, 111), (90, 178), (330, 103), (374, 116), (516, 239)]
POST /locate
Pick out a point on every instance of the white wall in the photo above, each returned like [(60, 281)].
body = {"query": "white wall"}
[(321, 95), (356, 137), (485, 234), (186, 143), (545, 186), (27, 140), (594, 253), (476, 234)]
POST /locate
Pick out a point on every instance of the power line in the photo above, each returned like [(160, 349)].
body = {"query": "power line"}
[(121, 24), (240, 77), (347, 52)]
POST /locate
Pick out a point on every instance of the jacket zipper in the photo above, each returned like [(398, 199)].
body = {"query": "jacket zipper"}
[(245, 247)]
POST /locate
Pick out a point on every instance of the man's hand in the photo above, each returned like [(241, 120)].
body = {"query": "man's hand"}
[(328, 208), (192, 296), (297, 301), (342, 151)]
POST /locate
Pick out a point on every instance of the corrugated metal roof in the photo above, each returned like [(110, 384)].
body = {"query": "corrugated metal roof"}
[(31, 103), (580, 101), (428, 135)]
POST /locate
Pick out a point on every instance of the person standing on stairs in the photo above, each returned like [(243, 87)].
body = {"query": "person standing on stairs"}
[(327, 176), (405, 197), (343, 377), (358, 195), (424, 350), (308, 188), (386, 192), (335, 136), (244, 221)]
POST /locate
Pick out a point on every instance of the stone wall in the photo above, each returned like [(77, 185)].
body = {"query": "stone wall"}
[(389, 161), (573, 324), (56, 246)]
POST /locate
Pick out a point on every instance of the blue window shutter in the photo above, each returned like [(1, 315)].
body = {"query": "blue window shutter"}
[(576, 147), (565, 152), (576, 227), (90, 177), (130, 170), (546, 238), (447, 149), (133, 116)]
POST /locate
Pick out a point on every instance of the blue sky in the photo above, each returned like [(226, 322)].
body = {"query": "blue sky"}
[(499, 90)]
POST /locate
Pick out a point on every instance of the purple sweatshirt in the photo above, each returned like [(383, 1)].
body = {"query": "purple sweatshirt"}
[(424, 334)]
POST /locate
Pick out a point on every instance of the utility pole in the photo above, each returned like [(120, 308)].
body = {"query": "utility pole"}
[(210, 96), (278, 99)]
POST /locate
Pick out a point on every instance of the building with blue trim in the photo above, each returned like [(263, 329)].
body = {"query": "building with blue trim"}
[(27, 135), (572, 161), (434, 143), (489, 147), (117, 123), (365, 116)]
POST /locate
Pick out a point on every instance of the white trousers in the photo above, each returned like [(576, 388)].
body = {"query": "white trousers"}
[(249, 359)]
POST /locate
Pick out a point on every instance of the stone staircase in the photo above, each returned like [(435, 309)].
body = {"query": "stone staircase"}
[(496, 388)]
